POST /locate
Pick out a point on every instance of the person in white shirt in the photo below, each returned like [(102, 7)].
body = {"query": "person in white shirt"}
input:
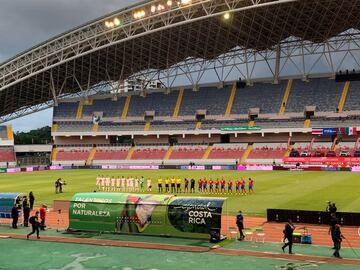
[(148, 184), (123, 187), (98, 182), (136, 184), (118, 182), (107, 183), (103, 183), (113, 183), (131, 182)]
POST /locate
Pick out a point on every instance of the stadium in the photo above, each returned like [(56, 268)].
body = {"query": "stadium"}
[(163, 92)]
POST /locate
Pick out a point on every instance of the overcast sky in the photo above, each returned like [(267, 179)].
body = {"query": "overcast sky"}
[(25, 23)]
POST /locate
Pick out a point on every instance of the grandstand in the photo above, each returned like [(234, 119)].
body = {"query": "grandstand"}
[(7, 153), (197, 130)]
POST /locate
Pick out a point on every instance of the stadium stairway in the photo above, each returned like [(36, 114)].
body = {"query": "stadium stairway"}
[(231, 100), (307, 123), (178, 103), (207, 152), (168, 153), (53, 153), (54, 127), (247, 152), (333, 146), (130, 153), (80, 110), (10, 135), (147, 126), (126, 107), (286, 97), (95, 127), (343, 96), (91, 156), (288, 151)]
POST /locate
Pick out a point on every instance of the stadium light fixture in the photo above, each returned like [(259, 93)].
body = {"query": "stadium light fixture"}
[(139, 14), (160, 7), (117, 22), (227, 16), (153, 9), (169, 3), (185, 2)]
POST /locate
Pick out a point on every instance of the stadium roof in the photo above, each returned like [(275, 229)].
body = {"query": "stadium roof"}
[(163, 35)]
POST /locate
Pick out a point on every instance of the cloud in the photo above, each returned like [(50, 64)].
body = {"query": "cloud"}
[(25, 23)]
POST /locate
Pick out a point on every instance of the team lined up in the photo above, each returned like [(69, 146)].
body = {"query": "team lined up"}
[(173, 185)]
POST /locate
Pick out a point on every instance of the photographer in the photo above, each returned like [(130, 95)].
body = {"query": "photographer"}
[(61, 183)]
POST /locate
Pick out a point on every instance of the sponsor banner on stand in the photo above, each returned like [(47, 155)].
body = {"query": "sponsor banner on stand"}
[(145, 213), (322, 160)]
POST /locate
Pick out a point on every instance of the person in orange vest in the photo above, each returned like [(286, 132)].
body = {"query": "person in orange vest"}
[(43, 217)]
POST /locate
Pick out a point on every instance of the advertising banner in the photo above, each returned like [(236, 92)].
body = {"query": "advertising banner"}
[(254, 167), (149, 214), (322, 160), (240, 128)]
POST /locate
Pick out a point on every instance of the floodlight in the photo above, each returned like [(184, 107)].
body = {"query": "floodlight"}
[(116, 21)]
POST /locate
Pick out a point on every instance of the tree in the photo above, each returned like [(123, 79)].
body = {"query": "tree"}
[(36, 136)]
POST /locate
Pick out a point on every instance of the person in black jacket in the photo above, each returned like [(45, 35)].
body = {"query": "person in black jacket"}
[(31, 200), (34, 221), (333, 221), (26, 213), (240, 225), (337, 238), (15, 216), (288, 236)]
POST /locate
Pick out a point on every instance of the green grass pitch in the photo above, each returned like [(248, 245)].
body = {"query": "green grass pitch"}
[(273, 189)]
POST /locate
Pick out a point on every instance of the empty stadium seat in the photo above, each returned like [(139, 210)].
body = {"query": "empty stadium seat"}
[(213, 100), (7, 154), (322, 93)]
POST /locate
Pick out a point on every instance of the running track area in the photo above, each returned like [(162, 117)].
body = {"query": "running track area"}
[(272, 231)]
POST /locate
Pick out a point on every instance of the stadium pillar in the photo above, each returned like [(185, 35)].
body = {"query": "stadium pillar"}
[(277, 64)]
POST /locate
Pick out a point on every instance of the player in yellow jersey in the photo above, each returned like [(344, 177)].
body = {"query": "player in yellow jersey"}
[(178, 185), (167, 182), (173, 185), (160, 185)]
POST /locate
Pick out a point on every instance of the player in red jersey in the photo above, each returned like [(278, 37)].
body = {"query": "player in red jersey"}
[(200, 183), (251, 185), (211, 186), (217, 184), (242, 186), (237, 186), (222, 182), (230, 183), (204, 185)]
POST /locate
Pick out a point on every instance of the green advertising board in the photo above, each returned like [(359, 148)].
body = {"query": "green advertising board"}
[(2, 170), (240, 128), (145, 214)]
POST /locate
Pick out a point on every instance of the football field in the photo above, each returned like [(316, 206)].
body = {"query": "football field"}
[(273, 189)]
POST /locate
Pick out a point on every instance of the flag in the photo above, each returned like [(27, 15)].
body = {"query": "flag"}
[(340, 131), (351, 131), (317, 131)]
